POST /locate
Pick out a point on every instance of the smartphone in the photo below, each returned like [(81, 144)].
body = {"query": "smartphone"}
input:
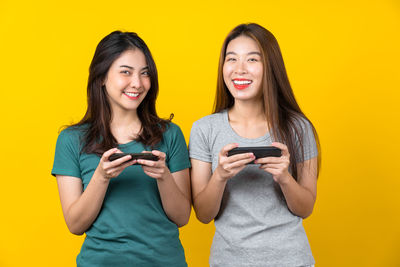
[(146, 156), (258, 151)]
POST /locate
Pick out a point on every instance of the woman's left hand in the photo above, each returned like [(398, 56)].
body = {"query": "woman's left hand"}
[(156, 169), (277, 166)]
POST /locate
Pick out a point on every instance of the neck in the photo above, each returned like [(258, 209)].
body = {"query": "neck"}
[(248, 111), (125, 125)]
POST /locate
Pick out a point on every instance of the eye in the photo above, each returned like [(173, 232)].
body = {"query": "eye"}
[(253, 59), (145, 73), (231, 59), (126, 72)]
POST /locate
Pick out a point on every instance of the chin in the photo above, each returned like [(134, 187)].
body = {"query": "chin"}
[(244, 96)]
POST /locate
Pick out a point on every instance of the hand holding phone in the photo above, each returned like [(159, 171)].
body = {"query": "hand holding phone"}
[(259, 151), (146, 156)]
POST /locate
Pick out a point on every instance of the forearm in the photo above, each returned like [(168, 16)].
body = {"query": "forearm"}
[(82, 213), (299, 199), (176, 205), (207, 203)]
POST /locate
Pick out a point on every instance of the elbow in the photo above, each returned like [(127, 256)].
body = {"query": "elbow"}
[(302, 213), (204, 216), (204, 219), (183, 219), (305, 216), (74, 229), (77, 233), (182, 223), (306, 213)]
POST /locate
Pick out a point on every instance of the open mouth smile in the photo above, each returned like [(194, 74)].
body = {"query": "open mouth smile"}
[(241, 84), (131, 95)]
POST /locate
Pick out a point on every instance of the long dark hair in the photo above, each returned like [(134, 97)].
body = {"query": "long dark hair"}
[(283, 114), (98, 137)]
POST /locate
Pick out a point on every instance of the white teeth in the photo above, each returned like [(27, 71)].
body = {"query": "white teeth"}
[(241, 82), (131, 94)]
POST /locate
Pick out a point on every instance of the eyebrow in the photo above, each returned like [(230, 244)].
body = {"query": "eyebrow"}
[(132, 68), (126, 66), (250, 53)]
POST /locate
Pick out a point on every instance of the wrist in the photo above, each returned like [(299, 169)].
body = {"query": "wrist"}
[(218, 177), (100, 176), (166, 175), (285, 179)]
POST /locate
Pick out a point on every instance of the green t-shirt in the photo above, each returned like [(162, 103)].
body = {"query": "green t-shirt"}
[(132, 228)]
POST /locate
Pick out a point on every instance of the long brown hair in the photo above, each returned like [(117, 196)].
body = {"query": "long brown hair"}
[(283, 114), (98, 137)]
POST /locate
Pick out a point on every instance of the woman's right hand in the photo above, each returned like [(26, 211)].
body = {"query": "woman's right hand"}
[(230, 166), (110, 169)]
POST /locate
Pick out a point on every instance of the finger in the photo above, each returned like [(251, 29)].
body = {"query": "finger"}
[(117, 162), (159, 154), (127, 164), (111, 172), (268, 160), (152, 174), (242, 156), (120, 168), (235, 171), (282, 147), (149, 163), (108, 153), (225, 149), (240, 163), (270, 170), (152, 170), (273, 166)]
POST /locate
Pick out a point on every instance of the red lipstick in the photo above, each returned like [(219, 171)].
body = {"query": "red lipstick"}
[(241, 84), (132, 97)]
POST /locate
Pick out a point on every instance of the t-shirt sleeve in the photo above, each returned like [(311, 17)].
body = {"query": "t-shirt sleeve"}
[(178, 157), (66, 158), (199, 146), (309, 144)]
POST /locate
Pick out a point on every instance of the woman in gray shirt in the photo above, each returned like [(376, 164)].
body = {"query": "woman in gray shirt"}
[(258, 208)]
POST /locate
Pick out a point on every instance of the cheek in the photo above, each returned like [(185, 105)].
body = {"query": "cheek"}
[(114, 82), (260, 71), (146, 83), (226, 72), (257, 71)]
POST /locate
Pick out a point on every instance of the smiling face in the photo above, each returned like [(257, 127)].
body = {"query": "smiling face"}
[(127, 81), (243, 68)]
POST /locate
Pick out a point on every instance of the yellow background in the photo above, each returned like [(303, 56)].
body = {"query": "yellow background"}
[(342, 58)]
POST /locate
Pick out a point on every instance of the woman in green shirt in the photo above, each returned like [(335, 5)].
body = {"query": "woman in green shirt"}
[(129, 209)]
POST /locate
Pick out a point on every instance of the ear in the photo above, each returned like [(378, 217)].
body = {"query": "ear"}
[(103, 83)]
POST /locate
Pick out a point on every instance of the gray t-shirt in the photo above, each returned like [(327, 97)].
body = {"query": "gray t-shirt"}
[(254, 226)]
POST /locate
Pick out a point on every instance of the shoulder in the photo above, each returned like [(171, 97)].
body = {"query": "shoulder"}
[(172, 129), (72, 135), (74, 131), (302, 125), (209, 121), (173, 134), (205, 130)]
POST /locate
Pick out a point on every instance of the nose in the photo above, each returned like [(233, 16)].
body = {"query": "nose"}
[(240, 67), (135, 82)]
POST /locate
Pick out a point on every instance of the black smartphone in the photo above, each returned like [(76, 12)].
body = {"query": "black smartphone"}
[(146, 156), (258, 151)]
